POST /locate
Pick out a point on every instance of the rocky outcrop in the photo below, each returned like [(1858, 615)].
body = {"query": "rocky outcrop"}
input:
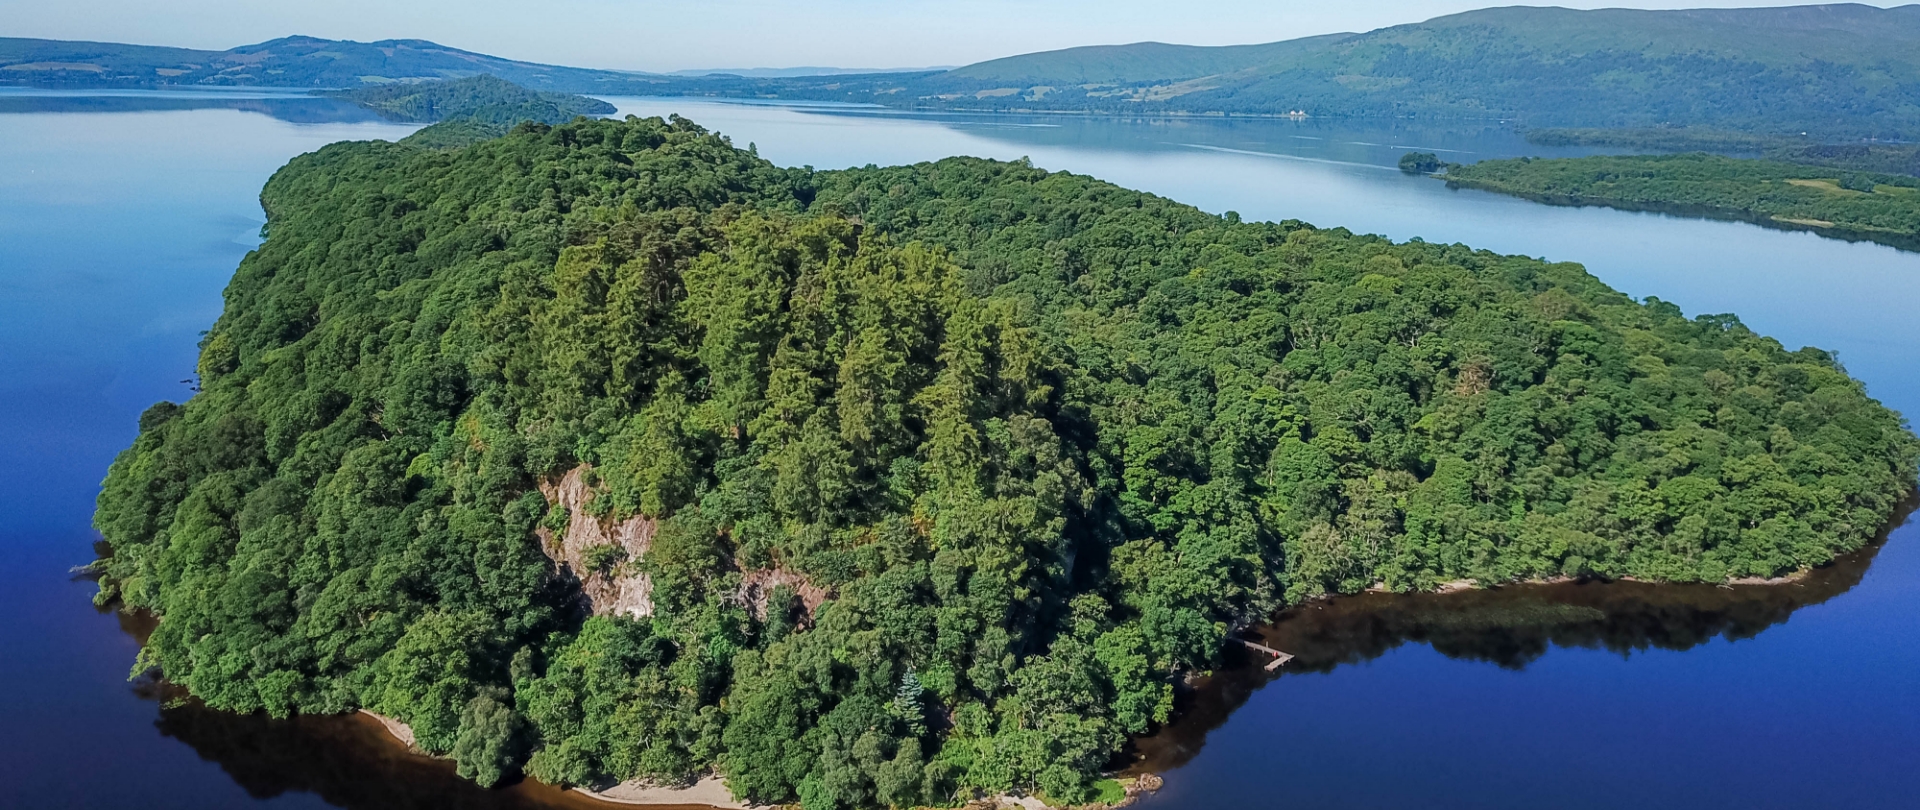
[(602, 555), (616, 587)]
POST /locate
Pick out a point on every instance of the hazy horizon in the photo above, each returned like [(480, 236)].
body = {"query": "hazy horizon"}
[(725, 34)]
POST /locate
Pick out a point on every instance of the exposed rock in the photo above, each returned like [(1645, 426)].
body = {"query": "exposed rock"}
[(621, 591)]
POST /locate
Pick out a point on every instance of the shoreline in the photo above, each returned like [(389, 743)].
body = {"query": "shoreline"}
[(709, 792), (1149, 779), (1898, 240), (1462, 585)]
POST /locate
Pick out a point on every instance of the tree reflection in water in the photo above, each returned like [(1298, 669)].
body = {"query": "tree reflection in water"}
[(347, 760), (351, 762), (1509, 627)]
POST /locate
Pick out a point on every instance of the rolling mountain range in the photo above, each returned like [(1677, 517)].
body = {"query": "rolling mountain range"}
[(1839, 70), (285, 62)]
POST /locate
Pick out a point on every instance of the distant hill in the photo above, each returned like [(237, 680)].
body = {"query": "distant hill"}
[(285, 62), (791, 72), (1836, 71), (1140, 63), (1849, 67)]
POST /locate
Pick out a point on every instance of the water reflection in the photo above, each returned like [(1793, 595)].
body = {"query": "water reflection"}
[(293, 108), (1509, 627), (351, 762), (348, 761), (1360, 142)]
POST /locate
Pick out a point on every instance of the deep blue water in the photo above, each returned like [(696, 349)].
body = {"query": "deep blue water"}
[(122, 216)]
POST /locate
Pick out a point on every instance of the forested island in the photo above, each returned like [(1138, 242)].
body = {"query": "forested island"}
[(609, 450), (1868, 205), (469, 110), (482, 99)]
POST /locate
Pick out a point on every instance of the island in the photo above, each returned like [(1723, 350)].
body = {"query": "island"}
[(610, 451), (469, 110), (1864, 205)]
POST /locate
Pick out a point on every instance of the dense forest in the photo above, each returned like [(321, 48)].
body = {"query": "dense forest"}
[(483, 99), (469, 110), (919, 483), (1862, 203)]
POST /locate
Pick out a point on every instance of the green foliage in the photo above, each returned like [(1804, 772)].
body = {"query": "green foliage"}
[(614, 700), (454, 134), (1421, 163), (1037, 441), (489, 745), (1870, 205), (603, 559), (1869, 157), (483, 100)]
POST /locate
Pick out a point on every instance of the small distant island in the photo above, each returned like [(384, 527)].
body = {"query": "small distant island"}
[(464, 111), (1865, 205)]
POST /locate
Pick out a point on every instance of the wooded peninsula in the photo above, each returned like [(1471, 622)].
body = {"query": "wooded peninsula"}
[(1869, 205), (609, 450)]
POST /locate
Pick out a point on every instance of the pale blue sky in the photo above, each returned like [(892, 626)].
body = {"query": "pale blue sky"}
[(677, 34)]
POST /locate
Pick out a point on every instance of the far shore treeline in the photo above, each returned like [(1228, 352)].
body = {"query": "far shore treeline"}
[(1864, 205), (947, 473)]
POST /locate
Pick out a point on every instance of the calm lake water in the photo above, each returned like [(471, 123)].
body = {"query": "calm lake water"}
[(122, 216)]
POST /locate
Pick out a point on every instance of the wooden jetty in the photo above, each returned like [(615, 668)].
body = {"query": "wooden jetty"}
[(1280, 659)]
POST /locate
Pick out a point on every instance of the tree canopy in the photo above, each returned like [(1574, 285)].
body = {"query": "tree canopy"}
[(1018, 447), (484, 99)]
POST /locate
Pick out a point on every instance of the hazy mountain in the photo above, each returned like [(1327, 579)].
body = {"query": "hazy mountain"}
[(1847, 66), (1834, 69), (285, 62), (792, 72), (1144, 62)]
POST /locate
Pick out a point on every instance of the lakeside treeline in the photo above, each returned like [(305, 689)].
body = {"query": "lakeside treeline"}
[(1855, 155), (947, 473), (1870, 205)]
